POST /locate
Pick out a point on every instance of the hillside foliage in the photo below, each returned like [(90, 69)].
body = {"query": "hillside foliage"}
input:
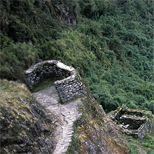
[(111, 45)]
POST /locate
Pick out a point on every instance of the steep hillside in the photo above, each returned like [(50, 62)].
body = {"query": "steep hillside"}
[(110, 43), (28, 128), (25, 126), (95, 133)]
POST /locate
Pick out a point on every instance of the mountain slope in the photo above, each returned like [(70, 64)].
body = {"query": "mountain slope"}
[(28, 128), (110, 43)]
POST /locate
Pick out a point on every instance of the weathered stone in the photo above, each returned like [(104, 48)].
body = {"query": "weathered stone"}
[(133, 122), (21, 134), (80, 121), (92, 147), (52, 68), (39, 110)]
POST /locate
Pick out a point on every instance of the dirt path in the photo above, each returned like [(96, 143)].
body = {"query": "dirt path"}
[(67, 114), (140, 148)]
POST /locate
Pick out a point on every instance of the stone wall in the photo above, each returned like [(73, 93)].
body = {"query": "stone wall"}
[(133, 122), (68, 88)]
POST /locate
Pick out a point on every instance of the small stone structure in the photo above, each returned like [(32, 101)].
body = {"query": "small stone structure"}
[(133, 122), (68, 88)]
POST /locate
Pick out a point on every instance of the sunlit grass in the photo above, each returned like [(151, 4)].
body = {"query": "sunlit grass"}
[(10, 89)]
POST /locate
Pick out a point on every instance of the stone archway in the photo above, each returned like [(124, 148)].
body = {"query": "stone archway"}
[(70, 85)]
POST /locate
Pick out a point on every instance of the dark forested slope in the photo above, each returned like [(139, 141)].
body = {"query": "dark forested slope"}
[(110, 43)]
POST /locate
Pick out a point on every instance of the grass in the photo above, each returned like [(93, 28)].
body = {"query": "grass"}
[(133, 148), (45, 84), (10, 90), (12, 96), (147, 143), (74, 145)]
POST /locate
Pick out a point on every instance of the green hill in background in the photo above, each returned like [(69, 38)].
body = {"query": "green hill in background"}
[(110, 43)]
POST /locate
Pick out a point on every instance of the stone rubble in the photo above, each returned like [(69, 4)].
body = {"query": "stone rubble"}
[(133, 122)]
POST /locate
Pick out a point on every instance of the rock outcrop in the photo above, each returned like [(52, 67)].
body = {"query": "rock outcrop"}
[(24, 125), (102, 138), (61, 10), (97, 133)]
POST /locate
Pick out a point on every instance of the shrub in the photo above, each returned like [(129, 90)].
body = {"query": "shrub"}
[(16, 58), (151, 106)]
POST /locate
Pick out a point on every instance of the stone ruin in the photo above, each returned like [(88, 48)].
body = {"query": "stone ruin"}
[(133, 122), (69, 87)]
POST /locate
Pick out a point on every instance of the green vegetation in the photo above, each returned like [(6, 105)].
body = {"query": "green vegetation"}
[(74, 145), (111, 46), (147, 144), (44, 84), (133, 149), (13, 90)]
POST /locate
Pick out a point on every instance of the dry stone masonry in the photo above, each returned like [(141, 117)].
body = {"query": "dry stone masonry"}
[(133, 122), (70, 85)]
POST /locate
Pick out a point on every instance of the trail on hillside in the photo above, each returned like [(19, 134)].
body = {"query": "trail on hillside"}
[(66, 113), (139, 147)]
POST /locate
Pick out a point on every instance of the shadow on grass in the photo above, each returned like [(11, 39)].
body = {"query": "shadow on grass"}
[(45, 84)]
